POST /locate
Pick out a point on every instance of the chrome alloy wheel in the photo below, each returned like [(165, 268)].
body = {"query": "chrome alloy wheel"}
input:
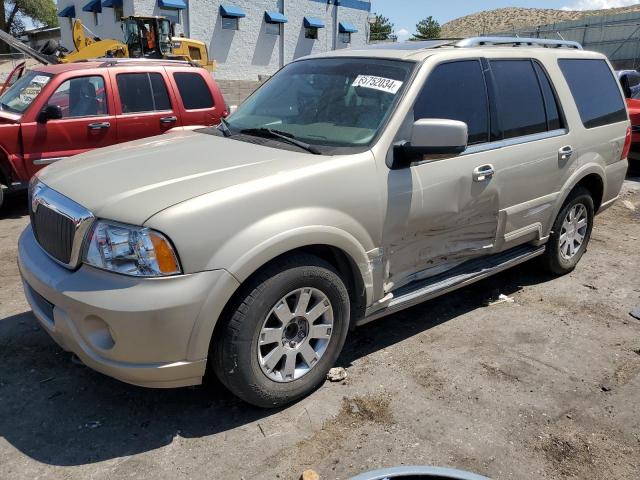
[(295, 334), (574, 230)]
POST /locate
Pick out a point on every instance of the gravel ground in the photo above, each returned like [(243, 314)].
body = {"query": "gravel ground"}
[(546, 386)]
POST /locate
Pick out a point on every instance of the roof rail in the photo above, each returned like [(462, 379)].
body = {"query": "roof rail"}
[(517, 42), (109, 62)]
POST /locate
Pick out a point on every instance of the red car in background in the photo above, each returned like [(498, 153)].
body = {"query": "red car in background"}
[(630, 82), (61, 110)]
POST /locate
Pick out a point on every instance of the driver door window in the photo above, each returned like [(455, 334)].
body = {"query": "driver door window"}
[(456, 91), (85, 124), (81, 97)]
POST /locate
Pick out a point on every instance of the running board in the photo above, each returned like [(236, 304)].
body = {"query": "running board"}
[(458, 277)]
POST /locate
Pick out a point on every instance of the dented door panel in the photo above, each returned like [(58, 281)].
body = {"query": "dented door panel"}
[(438, 217)]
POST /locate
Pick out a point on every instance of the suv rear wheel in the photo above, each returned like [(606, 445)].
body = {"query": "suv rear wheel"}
[(286, 331), (571, 233)]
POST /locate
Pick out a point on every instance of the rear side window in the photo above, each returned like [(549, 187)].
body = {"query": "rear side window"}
[(554, 120), (521, 107), (142, 92), (595, 91), (194, 90), (457, 91)]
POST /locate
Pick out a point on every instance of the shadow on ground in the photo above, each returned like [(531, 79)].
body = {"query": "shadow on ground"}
[(60, 413), (14, 206)]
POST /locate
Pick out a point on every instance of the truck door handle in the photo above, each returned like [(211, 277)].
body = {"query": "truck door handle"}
[(565, 153), (99, 125), (171, 119), (483, 172)]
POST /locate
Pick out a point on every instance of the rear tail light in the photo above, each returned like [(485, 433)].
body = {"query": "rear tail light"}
[(627, 145)]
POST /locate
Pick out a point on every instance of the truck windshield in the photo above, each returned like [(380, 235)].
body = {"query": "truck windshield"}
[(22, 93), (340, 102)]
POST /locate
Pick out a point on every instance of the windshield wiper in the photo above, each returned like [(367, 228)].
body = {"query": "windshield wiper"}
[(224, 127), (287, 137)]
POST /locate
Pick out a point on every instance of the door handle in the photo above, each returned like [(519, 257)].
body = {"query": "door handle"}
[(99, 125), (171, 119), (483, 172), (565, 153)]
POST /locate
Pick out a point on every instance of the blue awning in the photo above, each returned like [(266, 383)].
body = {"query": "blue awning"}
[(69, 11), (93, 6), (346, 27), (231, 11), (311, 22), (275, 17), (112, 3), (177, 4)]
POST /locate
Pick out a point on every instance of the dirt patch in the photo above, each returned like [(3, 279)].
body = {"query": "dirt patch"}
[(344, 432), (627, 370), (366, 409), (570, 454), (499, 373)]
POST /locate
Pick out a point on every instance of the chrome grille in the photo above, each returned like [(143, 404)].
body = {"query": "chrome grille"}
[(54, 232), (59, 224)]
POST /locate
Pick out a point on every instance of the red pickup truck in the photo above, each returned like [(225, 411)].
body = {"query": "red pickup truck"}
[(57, 111)]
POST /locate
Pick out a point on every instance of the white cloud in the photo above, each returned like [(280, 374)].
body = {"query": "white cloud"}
[(403, 34), (598, 4)]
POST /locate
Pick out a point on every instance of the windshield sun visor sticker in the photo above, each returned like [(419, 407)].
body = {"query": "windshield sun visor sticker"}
[(41, 79), (387, 85)]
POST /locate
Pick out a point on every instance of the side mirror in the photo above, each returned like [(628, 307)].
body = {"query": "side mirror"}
[(50, 112), (431, 136)]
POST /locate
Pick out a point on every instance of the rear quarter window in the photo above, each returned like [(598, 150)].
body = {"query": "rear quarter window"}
[(595, 91), (193, 90)]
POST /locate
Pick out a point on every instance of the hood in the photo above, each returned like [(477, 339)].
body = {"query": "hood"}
[(131, 182)]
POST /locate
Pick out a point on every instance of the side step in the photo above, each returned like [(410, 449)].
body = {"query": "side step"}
[(458, 277)]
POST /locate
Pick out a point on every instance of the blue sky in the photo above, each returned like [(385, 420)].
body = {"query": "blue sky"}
[(406, 13)]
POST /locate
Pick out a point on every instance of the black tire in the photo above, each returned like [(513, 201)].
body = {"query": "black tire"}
[(50, 47), (234, 352), (553, 260)]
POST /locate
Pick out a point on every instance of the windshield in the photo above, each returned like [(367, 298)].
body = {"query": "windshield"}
[(22, 93), (339, 102)]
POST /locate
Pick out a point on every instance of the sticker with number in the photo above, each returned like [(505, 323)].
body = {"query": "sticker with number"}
[(378, 83)]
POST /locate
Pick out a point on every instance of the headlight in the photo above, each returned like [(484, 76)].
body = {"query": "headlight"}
[(130, 250)]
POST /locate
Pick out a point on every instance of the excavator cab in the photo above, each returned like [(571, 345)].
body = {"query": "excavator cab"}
[(148, 37)]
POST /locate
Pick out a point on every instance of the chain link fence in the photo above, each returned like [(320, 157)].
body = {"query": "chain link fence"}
[(617, 36)]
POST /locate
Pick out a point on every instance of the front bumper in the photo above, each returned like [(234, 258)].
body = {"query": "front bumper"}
[(134, 329)]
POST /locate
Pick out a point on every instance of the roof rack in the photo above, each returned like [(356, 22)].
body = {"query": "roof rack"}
[(517, 42), (110, 62)]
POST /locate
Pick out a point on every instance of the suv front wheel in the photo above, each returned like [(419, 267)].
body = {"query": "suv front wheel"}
[(571, 233), (285, 332)]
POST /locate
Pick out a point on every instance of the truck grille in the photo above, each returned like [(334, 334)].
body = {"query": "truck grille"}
[(54, 232), (59, 224)]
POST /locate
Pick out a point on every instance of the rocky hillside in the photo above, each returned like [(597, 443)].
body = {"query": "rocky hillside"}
[(505, 19)]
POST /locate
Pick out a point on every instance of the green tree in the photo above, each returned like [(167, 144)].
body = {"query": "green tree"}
[(427, 29), (381, 30), (14, 13)]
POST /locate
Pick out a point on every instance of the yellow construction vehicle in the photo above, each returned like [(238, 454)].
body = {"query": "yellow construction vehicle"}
[(145, 37)]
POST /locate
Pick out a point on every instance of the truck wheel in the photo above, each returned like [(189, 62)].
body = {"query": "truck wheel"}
[(285, 331), (571, 233), (50, 47)]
